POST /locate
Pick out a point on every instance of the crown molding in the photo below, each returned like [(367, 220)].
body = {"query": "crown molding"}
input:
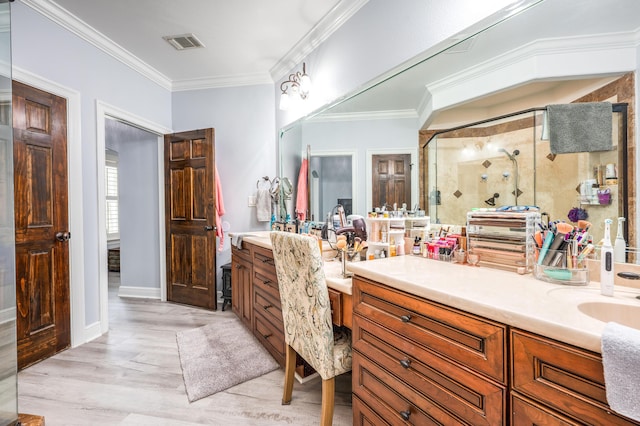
[(333, 20), (221, 81), (537, 49), (64, 18), (320, 32), (365, 115)]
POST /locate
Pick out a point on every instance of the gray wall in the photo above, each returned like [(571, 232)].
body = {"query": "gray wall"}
[(381, 35), (41, 47)]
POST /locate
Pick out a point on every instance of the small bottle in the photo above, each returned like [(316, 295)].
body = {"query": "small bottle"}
[(606, 261), (392, 248), (382, 256), (400, 249), (383, 233), (416, 246), (620, 245)]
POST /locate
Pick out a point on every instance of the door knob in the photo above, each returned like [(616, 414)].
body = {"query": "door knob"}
[(63, 236), (209, 228)]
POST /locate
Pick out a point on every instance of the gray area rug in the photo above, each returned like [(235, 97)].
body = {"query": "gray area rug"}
[(220, 355)]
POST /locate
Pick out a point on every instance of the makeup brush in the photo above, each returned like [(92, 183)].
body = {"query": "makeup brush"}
[(558, 244)]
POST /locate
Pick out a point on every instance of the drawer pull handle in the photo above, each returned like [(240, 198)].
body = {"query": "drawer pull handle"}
[(406, 363), (266, 307), (406, 318), (405, 414), (266, 336), (267, 283)]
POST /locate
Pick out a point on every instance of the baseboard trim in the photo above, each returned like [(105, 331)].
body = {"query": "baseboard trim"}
[(139, 292), (91, 332)]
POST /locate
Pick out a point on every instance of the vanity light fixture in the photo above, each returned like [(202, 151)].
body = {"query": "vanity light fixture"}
[(298, 83)]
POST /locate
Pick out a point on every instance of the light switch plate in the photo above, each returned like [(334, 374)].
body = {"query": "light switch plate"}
[(251, 202)]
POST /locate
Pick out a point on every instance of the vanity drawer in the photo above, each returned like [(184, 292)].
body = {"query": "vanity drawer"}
[(270, 336), (263, 261), (268, 285), (525, 412), (365, 416), (335, 299), (566, 378), (387, 396), (470, 340), (267, 306), (244, 252), (467, 395)]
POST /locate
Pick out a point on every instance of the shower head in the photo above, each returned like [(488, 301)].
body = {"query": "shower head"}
[(512, 156)]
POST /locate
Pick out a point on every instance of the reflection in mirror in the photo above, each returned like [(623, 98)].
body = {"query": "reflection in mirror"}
[(330, 183), (551, 52), (507, 161)]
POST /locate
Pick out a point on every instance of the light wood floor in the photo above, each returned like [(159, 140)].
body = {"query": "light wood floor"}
[(132, 376)]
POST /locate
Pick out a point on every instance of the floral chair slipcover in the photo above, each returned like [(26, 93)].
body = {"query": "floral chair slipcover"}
[(306, 311)]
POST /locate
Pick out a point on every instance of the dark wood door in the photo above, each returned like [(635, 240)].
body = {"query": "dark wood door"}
[(190, 194), (41, 223), (391, 180)]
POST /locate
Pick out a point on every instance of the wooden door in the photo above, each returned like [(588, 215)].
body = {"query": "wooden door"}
[(41, 223), (391, 180), (190, 206)]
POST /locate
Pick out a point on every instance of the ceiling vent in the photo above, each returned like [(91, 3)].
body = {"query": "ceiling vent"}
[(184, 41)]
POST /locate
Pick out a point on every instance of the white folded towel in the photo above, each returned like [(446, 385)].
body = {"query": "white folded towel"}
[(621, 359), (263, 205)]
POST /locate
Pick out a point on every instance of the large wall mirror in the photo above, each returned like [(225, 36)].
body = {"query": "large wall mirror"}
[(551, 52)]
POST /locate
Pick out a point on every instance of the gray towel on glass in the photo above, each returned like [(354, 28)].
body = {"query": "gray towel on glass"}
[(621, 360), (580, 127)]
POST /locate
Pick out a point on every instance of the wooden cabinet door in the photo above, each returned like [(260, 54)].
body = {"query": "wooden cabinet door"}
[(41, 224), (241, 289), (190, 195)]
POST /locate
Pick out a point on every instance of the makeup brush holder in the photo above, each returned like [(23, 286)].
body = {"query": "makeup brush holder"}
[(559, 273)]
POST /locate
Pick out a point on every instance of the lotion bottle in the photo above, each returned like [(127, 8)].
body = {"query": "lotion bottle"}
[(620, 244), (606, 261)]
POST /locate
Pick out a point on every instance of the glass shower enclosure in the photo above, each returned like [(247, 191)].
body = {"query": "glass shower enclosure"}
[(8, 361)]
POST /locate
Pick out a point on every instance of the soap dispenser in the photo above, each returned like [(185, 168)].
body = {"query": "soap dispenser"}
[(620, 245), (606, 261)]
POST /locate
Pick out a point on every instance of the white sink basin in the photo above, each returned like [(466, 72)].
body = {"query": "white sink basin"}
[(628, 315)]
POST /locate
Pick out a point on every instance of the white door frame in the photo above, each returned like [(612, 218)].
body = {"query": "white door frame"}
[(75, 205), (104, 110), (354, 173)]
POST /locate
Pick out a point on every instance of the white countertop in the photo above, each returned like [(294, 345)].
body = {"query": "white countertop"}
[(551, 310), (332, 268), (521, 301)]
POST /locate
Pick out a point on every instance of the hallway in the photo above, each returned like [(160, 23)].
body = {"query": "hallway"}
[(132, 376)]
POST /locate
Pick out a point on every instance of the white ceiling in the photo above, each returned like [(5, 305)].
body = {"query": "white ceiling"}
[(246, 41)]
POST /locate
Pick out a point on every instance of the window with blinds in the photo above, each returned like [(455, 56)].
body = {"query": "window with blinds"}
[(111, 178)]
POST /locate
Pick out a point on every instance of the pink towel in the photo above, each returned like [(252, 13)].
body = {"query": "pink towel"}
[(302, 197), (219, 209)]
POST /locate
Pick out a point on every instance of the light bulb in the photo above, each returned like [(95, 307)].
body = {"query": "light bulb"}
[(284, 101), (305, 84)]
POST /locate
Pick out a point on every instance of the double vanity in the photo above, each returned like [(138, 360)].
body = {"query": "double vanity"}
[(438, 342)]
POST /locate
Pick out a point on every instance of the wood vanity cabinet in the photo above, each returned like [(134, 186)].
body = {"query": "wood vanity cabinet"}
[(241, 288), (420, 362), (557, 384), (268, 325)]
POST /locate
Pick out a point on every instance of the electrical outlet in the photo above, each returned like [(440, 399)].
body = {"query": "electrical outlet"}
[(251, 201)]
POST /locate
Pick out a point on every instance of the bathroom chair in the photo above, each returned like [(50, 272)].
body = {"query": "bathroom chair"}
[(308, 328)]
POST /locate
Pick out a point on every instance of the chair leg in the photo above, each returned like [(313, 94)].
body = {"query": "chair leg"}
[(289, 370), (328, 400)]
